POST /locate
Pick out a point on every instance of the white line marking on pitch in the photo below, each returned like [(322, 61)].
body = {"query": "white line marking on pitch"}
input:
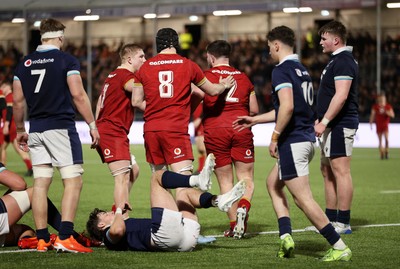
[(303, 230), (18, 251), (390, 192)]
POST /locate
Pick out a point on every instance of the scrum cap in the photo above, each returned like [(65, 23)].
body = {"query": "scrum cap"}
[(166, 38)]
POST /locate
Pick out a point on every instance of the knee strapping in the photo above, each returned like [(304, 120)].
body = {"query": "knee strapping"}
[(42, 171), (71, 171), (186, 168), (122, 170), (22, 199)]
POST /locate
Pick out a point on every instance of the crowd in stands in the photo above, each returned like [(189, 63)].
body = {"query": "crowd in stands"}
[(252, 57)]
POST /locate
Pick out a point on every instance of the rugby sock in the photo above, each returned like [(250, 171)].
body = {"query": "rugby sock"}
[(285, 226), (244, 202), (344, 216), (339, 245), (28, 164), (171, 180), (232, 224), (202, 159), (332, 214), (43, 234), (66, 230), (206, 200), (53, 215), (330, 234)]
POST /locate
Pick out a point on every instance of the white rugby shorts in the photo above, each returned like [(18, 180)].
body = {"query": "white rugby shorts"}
[(294, 159), (61, 147), (337, 142), (176, 233)]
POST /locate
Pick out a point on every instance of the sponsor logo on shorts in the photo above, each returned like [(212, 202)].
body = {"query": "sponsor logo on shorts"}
[(178, 153), (107, 153), (249, 154)]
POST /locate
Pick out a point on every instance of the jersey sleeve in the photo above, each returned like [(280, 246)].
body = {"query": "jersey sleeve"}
[(73, 66), (281, 79), (342, 70), (137, 78), (198, 77), (128, 77)]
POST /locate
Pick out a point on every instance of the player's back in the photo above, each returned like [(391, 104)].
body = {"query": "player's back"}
[(115, 101), (166, 81), (222, 110), (43, 76)]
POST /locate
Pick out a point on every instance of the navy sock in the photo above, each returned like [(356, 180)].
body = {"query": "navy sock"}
[(330, 234), (171, 180), (205, 200), (43, 234), (331, 214), (285, 226), (66, 230), (344, 216), (53, 215)]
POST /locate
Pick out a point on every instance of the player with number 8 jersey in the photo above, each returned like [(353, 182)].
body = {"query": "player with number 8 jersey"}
[(163, 90)]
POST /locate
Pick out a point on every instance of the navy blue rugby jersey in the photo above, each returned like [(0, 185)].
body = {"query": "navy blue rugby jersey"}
[(137, 236), (342, 66), (43, 76), (290, 73)]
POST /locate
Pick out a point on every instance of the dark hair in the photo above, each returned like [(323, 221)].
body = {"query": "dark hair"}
[(127, 49), (51, 25), (166, 38), (283, 34), (334, 28), (219, 48), (92, 225)]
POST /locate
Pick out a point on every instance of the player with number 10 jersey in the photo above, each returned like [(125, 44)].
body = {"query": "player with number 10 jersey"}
[(291, 73)]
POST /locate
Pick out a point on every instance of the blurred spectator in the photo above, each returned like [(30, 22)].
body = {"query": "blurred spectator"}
[(252, 56)]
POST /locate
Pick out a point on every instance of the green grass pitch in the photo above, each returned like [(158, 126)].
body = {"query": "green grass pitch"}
[(375, 221)]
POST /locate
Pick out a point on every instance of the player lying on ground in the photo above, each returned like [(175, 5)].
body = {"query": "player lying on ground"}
[(168, 228), (14, 204)]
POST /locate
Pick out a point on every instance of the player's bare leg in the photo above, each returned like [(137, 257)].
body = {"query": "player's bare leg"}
[(121, 172)]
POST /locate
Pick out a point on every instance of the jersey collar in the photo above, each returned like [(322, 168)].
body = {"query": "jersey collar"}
[(42, 48), (291, 57), (346, 48)]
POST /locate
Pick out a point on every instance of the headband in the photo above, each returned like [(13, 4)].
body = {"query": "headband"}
[(53, 34)]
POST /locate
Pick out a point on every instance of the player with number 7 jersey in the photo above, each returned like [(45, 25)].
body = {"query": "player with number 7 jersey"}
[(49, 82)]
